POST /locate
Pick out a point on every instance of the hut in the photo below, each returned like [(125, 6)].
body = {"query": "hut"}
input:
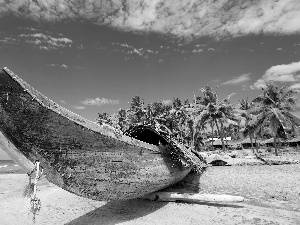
[(209, 140), (270, 142), (217, 143), (294, 142), (246, 143), (234, 145)]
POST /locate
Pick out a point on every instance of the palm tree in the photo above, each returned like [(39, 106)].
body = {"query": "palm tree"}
[(137, 112), (244, 113), (211, 108), (180, 119), (273, 110), (183, 122), (123, 120)]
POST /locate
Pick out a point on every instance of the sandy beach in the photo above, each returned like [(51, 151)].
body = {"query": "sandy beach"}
[(271, 192)]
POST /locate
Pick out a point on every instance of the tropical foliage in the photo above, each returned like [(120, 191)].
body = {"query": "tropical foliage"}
[(219, 112), (272, 112), (192, 122)]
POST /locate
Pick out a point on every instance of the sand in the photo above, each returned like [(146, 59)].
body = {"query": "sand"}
[(270, 199)]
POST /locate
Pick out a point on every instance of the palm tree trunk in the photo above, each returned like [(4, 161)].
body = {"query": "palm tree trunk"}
[(212, 134), (255, 152), (219, 133), (256, 147), (251, 139), (275, 145), (222, 135), (193, 131), (218, 129), (239, 130)]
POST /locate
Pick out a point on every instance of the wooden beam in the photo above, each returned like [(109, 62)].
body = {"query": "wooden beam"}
[(188, 197)]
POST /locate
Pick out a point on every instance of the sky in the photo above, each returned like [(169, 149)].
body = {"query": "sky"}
[(95, 56)]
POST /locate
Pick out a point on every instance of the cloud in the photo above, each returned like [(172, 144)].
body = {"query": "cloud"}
[(197, 50), (44, 48), (8, 40), (27, 28), (280, 73), (57, 65), (36, 42), (78, 107), (62, 101), (129, 50), (186, 18), (229, 96), (259, 84), (238, 80), (64, 66), (283, 73), (100, 101), (46, 42), (294, 86), (167, 102)]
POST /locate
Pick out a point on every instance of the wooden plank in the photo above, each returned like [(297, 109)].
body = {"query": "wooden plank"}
[(187, 197)]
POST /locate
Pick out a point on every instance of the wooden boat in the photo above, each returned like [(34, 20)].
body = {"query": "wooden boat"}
[(82, 157)]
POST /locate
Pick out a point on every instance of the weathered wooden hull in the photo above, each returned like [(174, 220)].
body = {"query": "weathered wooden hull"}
[(89, 160)]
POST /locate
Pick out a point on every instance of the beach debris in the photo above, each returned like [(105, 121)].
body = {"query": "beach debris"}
[(217, 160), (191, 197), (31, 189)]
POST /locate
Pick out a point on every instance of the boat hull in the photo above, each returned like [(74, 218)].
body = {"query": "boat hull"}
[(89, 160)]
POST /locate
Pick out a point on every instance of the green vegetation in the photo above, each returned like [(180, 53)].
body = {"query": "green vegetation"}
[(192, 123)]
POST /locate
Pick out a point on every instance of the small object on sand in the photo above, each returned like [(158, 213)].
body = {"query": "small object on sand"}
[(217, 160), (187, 197)]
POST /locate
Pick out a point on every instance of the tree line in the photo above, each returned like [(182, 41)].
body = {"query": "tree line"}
[(208, 117)]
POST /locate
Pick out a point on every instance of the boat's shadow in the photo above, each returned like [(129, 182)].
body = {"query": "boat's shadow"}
[(118, 211), (121, 211)]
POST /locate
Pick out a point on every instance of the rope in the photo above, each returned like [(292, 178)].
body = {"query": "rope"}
[(31, 189)]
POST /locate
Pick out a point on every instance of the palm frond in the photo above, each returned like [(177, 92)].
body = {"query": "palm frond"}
[(295, 119), (202, 118), (283, 121), (255, 110), (259, 99), (254, 126)]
